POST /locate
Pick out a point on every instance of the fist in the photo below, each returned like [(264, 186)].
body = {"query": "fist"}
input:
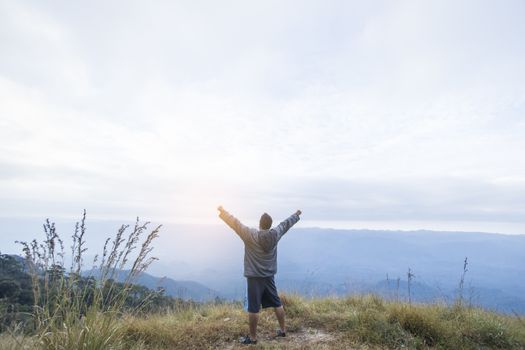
[(298, 212)]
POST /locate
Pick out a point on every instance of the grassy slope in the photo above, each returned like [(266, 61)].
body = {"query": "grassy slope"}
[(358, 322), (354, 322)]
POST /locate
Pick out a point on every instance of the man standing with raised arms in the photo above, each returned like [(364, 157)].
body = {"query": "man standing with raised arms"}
[(260, 266)]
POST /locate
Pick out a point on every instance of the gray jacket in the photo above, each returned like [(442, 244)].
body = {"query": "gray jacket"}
[(260, 246)]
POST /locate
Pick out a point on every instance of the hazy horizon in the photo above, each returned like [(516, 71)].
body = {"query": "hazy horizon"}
[(98, 230)]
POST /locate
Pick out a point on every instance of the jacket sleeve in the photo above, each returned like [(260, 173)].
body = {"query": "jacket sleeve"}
[(235, 224), (284, 226)]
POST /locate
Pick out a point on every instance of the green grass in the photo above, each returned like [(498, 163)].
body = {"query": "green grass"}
[(356, 322)]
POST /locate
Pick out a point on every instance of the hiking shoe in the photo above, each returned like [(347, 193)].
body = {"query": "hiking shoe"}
[(247, 340), (280, 334)]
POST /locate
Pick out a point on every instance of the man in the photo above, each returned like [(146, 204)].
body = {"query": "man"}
[(260, 266)]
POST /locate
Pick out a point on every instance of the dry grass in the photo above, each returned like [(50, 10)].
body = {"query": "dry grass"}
[(357, 322)]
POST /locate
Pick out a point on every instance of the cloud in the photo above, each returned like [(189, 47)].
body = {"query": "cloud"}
[(379, 111), (437, 199)]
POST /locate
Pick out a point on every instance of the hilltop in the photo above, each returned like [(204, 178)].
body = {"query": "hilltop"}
[(356, 322)]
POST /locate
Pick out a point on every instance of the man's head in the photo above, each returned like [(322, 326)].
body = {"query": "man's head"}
[(266, 222)]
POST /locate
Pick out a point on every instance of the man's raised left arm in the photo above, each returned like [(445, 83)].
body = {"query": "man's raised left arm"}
[(284, 226)]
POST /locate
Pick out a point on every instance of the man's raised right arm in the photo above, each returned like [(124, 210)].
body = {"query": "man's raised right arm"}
[(233, 222)]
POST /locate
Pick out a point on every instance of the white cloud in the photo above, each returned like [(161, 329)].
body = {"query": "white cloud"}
[(166, 109)]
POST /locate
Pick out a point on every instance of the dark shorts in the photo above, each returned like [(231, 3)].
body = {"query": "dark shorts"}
[(262, 291)]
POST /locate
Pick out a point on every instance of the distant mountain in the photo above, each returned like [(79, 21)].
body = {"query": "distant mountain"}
[(358, 260), (420, 292), (178, 289), (492, 299), (496, 299), (315, 261)]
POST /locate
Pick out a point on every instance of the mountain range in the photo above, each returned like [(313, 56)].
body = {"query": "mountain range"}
[(315, 261), (205, 261)]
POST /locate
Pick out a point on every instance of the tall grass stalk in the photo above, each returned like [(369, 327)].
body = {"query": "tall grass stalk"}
[(76, 312), (410, 276), (462, 282)]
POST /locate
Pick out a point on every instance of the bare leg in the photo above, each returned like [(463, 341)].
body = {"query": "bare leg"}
[(253, 318), (279, 312)]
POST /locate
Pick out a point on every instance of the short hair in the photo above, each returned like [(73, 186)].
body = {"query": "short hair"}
[(266, 222)]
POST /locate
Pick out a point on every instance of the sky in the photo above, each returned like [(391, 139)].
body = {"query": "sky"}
[(376, 114)]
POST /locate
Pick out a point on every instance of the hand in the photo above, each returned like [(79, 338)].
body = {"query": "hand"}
[(298, 212)]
